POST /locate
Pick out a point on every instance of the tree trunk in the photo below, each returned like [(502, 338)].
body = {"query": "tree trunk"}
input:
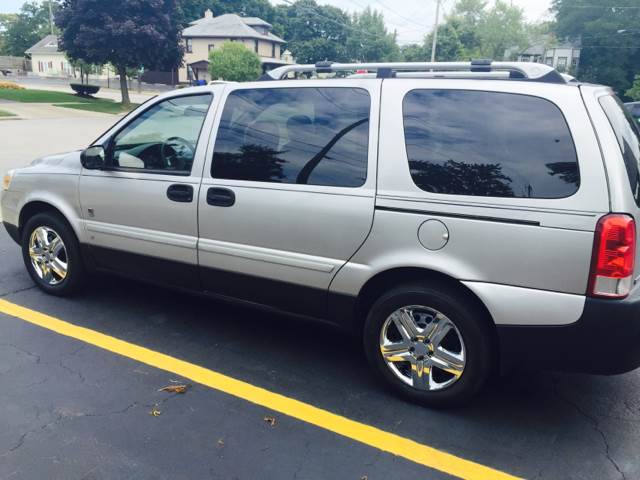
[(124, 88)]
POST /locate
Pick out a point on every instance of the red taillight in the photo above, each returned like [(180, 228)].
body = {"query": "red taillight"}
[(614, 253)]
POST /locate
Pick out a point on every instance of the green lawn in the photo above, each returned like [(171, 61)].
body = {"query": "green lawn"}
[(41, 96), (67, 100), (4, 113), (101, 105)]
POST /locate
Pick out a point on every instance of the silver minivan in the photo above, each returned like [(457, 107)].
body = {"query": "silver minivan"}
[(459, 218)]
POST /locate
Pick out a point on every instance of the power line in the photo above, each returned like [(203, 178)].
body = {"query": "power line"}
[(335, 22), (401, 16), (606, 7)]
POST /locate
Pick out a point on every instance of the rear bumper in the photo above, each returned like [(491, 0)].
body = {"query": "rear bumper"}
[(12, 230), (605, 340)]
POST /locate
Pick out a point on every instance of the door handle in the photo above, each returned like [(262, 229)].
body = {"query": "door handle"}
[(180, 193), (220, 197)]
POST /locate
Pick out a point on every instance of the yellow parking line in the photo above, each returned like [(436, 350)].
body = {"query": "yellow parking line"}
[(360, 432)]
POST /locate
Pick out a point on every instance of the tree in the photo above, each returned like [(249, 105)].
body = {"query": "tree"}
[(473, 30), (194, 9), (413, 52), (502, 27), (634, 92), (6, 20), (450, 47), (85, 69), (22, 31), (609, 36), (126, 33), (234, 62), (368, 39), (315, 32)]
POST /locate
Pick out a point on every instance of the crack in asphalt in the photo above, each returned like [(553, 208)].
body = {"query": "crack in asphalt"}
[(6, 294), (72, 371), (20, 349), (59, 418), (593, 422)]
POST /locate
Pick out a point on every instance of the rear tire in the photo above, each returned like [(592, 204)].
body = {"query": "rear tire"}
[(438, 345), (51, 253)]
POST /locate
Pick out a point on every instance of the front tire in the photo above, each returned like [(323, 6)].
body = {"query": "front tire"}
[(51, 254), (430, 345)]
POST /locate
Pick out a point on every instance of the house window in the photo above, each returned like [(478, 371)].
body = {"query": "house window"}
[(549, 61), (189, 45), (562, 63), (50, 65), (211, 46), (273, 50), (525, 58), (574, 61), (255, 46)]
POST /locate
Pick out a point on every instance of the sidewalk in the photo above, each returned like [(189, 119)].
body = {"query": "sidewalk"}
[(29, 111)]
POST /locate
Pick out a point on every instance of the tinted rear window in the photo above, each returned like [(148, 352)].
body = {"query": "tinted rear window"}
[(489, 144), (628, 135)]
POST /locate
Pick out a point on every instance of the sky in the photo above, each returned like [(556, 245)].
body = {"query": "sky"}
[(411, 18)]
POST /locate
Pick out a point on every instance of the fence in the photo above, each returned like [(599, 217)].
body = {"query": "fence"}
[(15, 64)]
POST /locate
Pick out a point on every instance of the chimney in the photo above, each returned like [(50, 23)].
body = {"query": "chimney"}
[(208, 13)]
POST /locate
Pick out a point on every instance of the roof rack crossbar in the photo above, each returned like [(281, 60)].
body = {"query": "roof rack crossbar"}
[(538, 72)]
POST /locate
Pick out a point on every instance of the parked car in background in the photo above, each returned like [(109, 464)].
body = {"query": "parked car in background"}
[(634, 109), (459, 218)]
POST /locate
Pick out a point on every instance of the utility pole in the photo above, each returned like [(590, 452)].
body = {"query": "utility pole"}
[(434, 44), (50, 17)]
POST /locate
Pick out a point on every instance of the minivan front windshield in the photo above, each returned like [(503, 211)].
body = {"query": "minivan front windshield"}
[(628, 135)]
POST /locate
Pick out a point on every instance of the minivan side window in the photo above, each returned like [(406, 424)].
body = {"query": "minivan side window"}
[(489, 144), (305, 135), (628, 135), (162, 139)]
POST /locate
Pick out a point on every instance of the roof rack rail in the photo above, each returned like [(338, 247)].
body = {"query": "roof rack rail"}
[(536, 72)]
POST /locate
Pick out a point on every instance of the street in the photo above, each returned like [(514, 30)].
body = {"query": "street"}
[(73, 409)]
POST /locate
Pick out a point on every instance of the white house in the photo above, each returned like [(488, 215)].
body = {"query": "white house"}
[(563, 56), (209, 33), (47, 60)]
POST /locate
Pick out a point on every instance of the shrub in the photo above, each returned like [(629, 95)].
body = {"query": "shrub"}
[(85, 90), (10, 86), (234, 62)]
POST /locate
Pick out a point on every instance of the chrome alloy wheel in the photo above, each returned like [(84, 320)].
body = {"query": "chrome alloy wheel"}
[(422, 347), (48, 255)]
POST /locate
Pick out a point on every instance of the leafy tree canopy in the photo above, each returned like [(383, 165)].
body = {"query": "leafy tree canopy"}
[(609, 35), (22, 31), (234, 62), (475, 29), (194, 9), (126, 33), (634, 92), (369, 40), (316, 32)]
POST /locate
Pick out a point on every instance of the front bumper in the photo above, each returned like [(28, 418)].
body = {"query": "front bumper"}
[(605, 340)]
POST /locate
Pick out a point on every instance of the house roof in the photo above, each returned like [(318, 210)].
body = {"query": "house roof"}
[(256, 22), (47, 45), (229, 25)]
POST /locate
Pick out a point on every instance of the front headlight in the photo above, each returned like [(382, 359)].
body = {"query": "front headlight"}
[(6, 180)]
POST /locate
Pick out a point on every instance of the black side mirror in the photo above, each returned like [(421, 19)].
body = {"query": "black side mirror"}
[(93, 158)]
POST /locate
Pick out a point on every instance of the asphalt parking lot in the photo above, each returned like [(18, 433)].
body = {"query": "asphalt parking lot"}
[(73, 410)]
